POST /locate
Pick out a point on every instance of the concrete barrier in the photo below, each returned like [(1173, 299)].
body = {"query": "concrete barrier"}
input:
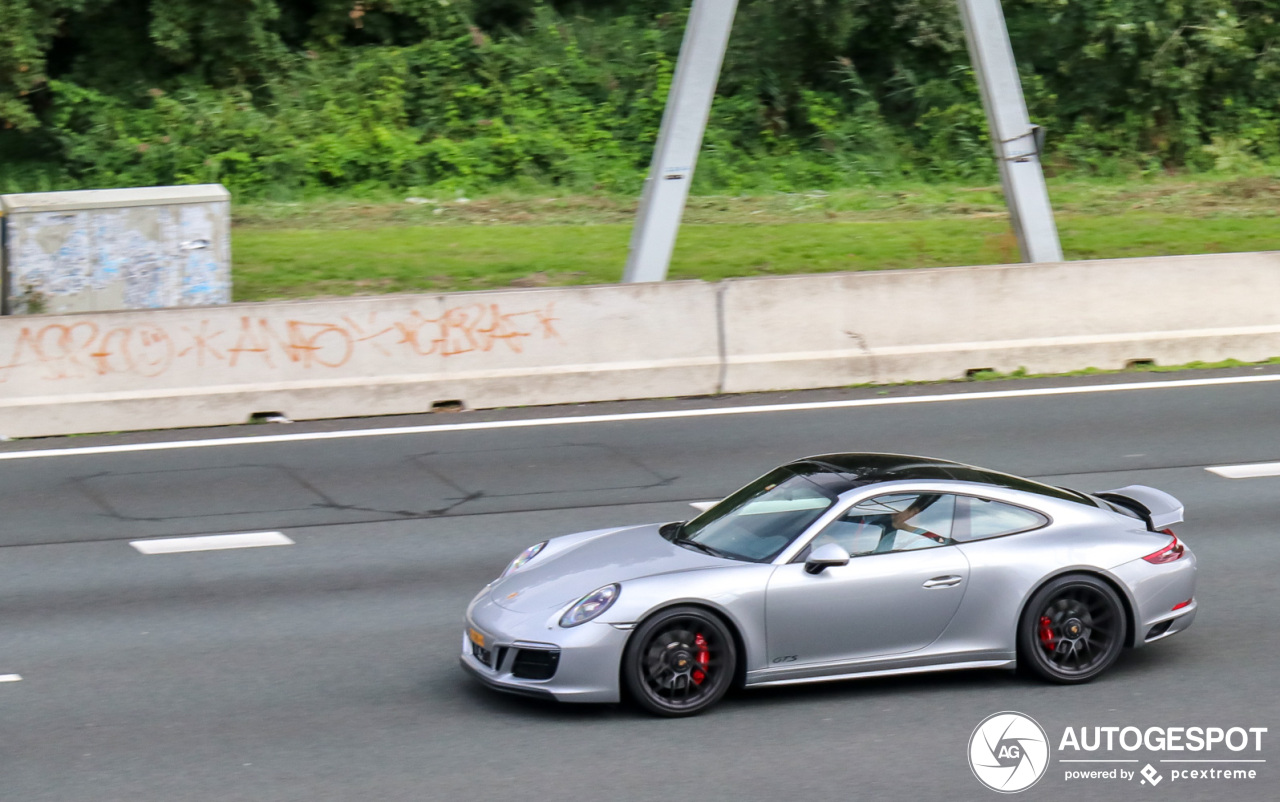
[(358, 356), (929, 324), (401, 354)]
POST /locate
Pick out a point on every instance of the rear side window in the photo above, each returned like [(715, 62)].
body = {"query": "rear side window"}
[(978, 519)]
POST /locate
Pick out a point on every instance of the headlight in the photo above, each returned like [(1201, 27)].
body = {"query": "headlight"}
[(524, 557), (590, 606)]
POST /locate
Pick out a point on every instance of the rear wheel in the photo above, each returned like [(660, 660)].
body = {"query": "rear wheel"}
[(679, 662), (1072, 630)]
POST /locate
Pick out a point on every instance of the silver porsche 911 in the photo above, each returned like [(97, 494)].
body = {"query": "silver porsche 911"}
[(832, 567)]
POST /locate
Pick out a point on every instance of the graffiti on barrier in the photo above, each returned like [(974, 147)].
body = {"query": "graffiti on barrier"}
[(83, 348)]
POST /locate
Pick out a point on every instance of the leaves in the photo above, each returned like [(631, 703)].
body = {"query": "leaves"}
[(281, 96)]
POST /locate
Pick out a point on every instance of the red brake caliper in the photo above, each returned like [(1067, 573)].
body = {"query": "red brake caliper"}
[(1046, 632), (704, 659)]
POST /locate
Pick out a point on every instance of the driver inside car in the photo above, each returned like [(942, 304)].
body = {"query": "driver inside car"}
[(886, 524)]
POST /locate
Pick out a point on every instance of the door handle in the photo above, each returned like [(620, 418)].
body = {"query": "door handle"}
[(943, 581)]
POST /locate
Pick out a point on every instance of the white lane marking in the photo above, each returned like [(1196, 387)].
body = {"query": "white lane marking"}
[(1247, 471), (634, 416), (173, 545), (702, 506), (10, 678)]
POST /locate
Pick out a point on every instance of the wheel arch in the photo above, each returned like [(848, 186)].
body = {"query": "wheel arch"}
[(735, 632), (1130, 609)]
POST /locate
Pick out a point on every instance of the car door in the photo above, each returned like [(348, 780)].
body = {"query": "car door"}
[(902, 586)]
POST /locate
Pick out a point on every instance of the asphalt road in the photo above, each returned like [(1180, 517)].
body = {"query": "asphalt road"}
[(327, 670)]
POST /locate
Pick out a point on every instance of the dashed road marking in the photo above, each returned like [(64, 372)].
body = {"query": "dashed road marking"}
[(10, 678), (1247, 471), (174, 545)]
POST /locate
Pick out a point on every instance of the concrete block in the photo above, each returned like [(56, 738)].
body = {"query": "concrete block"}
[(355, 356), (102, 249), (830, 330)]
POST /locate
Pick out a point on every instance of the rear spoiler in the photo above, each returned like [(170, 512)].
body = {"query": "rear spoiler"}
[(1159, 509)]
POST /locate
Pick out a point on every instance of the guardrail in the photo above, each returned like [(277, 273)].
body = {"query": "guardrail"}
[(170, 368)]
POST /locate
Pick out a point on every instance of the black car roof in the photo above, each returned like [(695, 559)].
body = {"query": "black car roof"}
[(841, 472)]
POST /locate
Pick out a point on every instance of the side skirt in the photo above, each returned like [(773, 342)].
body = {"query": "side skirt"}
[(763, 682)]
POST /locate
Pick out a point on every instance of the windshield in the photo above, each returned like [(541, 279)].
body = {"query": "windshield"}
[(758, 521)]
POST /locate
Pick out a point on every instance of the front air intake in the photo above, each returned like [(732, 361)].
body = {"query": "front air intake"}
[(535, 663)]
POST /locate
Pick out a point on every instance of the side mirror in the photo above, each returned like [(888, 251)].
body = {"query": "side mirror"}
[(824, 557)]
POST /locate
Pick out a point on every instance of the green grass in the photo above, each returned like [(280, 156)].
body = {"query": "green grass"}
[(296, 263), (336, 247), (1021, 373)]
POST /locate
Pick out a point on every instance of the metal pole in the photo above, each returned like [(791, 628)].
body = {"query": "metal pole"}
[(1015, 140), (679, 139), (5, 289)]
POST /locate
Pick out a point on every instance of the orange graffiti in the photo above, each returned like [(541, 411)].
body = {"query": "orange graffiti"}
[(82, 349)]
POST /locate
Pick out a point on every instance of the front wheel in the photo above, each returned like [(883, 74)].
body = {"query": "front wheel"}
[(679, 662), (1072, 629)]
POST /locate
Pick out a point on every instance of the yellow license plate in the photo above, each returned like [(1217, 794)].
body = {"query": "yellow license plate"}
[(476, 636)]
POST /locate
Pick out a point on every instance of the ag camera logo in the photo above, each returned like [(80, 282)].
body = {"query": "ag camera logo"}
[(1008, 752)]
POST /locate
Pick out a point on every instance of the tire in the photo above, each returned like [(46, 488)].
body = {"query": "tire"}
[(1072, 630), (679, 662)]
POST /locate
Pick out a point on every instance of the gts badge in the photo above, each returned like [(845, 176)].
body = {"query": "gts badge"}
[(786, 658)]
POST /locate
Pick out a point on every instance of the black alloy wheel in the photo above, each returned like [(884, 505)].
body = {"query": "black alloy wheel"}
[(679, 662), (1072, 629)]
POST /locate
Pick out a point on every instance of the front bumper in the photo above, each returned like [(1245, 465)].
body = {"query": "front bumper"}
[(491, 679), (586, 665)]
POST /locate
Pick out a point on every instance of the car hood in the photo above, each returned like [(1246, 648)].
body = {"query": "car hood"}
[(556, 579)]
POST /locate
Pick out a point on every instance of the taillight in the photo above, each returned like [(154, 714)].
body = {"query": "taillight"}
[(1169, 553)]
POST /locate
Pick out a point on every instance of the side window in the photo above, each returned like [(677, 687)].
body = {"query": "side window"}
[(898, 522), (982, 519)]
